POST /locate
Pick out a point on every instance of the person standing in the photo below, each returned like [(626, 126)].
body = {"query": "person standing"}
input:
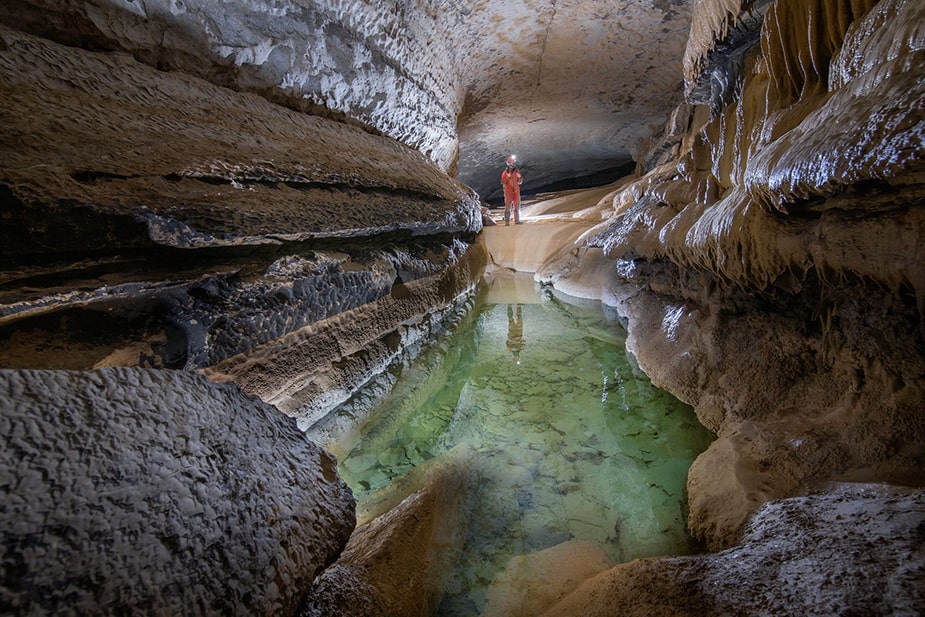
[(511, 180)]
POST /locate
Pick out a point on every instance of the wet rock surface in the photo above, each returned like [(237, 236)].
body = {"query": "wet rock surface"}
[(853, 548), (811, 412), (310, 370), (774, 267), (146, 491)]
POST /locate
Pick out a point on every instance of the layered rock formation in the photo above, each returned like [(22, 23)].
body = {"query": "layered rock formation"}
[(463, 83), (133, 210), (153, 220)]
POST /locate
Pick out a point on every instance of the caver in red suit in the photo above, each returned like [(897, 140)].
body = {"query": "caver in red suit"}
[(511, 181)]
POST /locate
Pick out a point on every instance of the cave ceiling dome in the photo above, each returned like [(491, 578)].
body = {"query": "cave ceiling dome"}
[(570, 86)]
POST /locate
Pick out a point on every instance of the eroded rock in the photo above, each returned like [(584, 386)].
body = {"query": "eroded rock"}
[(775, 268), (853, 548), (144, 491), (462, 83), (399, 563), (110, 154)]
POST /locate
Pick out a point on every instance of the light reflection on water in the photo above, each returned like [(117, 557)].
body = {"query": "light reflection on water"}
[(570, 439)]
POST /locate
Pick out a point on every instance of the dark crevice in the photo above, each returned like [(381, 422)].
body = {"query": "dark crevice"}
[(96, 177), (88, 176), (305, 185)]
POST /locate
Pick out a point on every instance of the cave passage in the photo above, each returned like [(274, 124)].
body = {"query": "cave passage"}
[(565, 437)]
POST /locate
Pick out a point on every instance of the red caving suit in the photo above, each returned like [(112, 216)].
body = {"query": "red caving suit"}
[(511, 180)]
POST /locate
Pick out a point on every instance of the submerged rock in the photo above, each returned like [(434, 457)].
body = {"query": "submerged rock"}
[(856, 548), (400, 562), (128, 491), (531, 583)]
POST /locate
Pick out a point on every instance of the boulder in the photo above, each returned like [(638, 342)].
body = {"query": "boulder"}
[(130, 491)]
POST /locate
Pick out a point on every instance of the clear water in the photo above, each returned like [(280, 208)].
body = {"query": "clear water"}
[(568, 437)]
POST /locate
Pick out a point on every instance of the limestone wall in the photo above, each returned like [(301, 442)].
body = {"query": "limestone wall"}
[(431, 74), (799, 556), (153, 220), (184, 223), (775, 268), (381, 65)]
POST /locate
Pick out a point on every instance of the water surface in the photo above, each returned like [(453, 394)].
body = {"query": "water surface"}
[(569, 439)]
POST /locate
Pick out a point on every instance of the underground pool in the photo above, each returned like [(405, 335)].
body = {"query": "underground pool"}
[(564, 437)]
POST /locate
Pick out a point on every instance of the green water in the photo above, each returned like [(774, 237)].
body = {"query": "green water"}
[(565, 437)]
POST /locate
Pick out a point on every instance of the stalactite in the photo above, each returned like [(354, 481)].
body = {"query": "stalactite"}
[(724, 152), (786, 141), (753, 104), (709, 24)]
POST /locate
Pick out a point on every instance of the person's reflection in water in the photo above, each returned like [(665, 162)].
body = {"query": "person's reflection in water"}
[(515, 330)]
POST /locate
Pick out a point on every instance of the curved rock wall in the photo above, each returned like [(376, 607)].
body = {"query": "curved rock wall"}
[(360, 61), (154, 220), (186, 223), (776, 268)]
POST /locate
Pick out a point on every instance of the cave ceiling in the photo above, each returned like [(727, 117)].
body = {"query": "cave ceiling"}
[(568, 86)]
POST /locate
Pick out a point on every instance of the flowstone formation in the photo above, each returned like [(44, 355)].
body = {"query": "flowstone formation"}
[(772, 272)]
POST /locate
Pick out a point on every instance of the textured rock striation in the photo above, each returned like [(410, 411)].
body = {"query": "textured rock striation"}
[(175, 223), (128, 491), (356, 61), (463, 83), (154, 220), (854, 550)]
